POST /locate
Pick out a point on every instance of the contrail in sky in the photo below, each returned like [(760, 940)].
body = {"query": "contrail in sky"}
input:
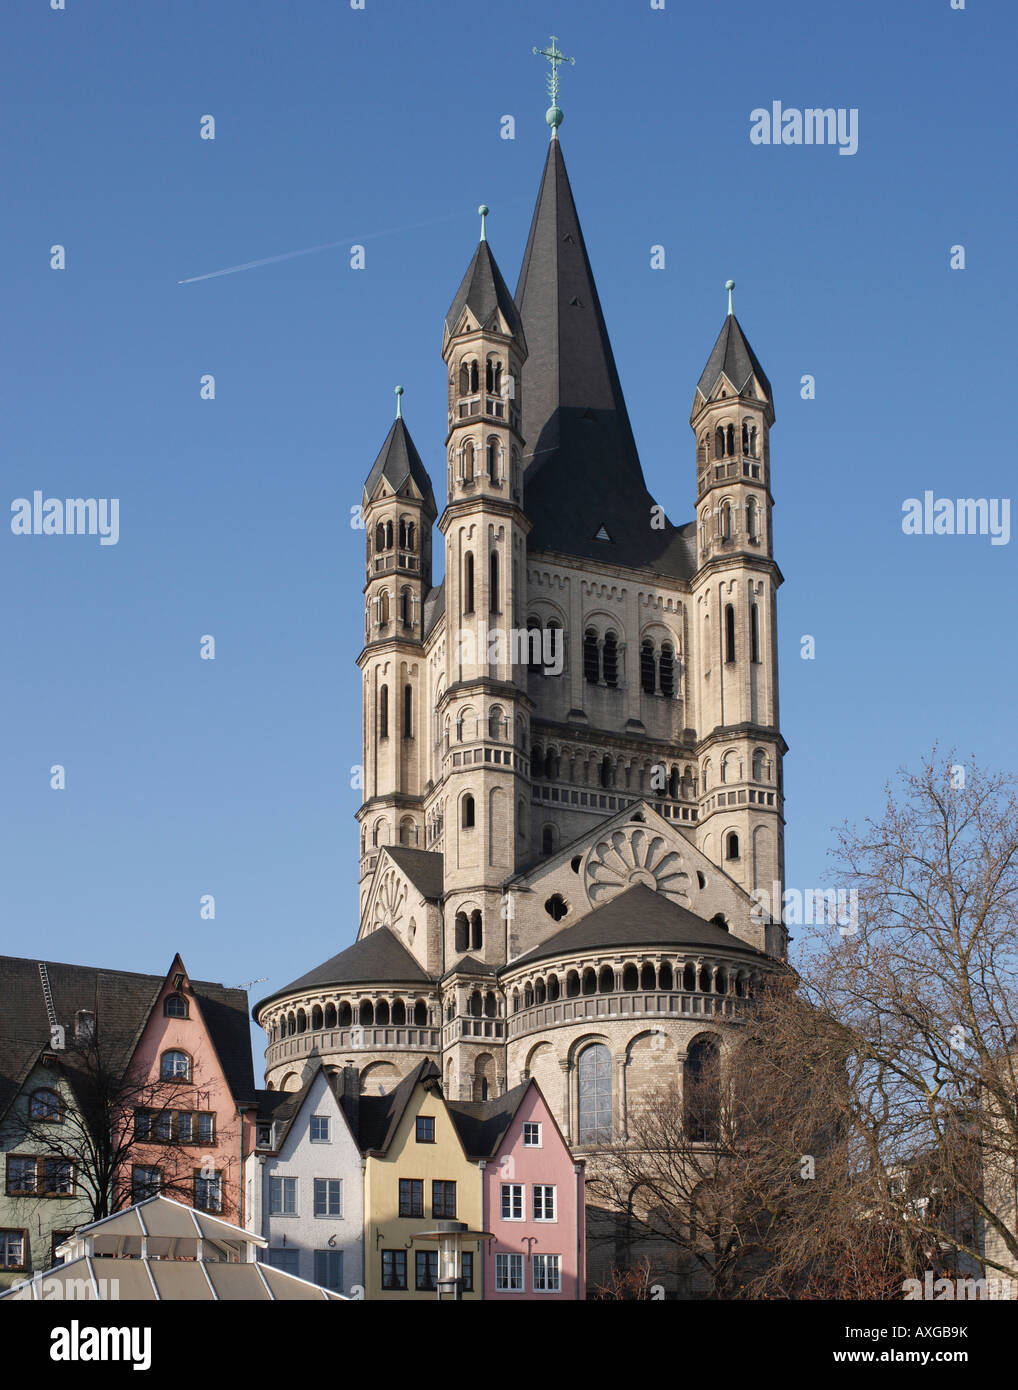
[(325, 246)]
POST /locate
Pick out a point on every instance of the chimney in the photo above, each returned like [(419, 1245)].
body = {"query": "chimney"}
[(350, 1093)]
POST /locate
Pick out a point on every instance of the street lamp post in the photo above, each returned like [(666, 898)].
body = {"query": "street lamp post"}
[(450, 1236)]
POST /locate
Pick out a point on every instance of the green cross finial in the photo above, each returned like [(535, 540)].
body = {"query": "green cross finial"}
[(399, 403), (555, 57), (483, 210), (729, 286)]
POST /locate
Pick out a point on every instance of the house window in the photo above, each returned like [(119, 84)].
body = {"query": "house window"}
[(411, 1197), (512, 1201), (175, 1006), (531, 1135), (547, 1274), (426, 1123), (145, 1182), (47, 1106), (286, 1260), (393, 1269), (508, 1273), (282, 1196), (164, 1127), (206, 1127), (443, 1199), (208, 1192), (467, 1271), (426, 1271), (185, 1128), (142, 1124), (544, 1202), (175, 1066), (328, 1197), (12, 1249), (321, 1129), (329, 1269), (264, 1140)]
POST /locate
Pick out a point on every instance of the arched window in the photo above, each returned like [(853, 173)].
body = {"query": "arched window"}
[(383, 607), (468, 461), (606, 980), (367, 1013), (730, 440), (550, 764), (345, 1015), (495, 722), (492, 457), (302, 1021), (611, 659), (175, 1066), (572, 984), (316, 1018), (591, 664), (388, 535), (493, 603), (725, 521), (465, 379), (729, 633), (665, 979), (474, 1004), (630, 977), (731, 845), (751, 519), (535, 661), (537, 762), (476, 931), (648, 976), (745, 436), (490, 1005), (468, 812), (547, 840), (719, 442), (528, 995), (606, 771), (408, 711), (406, 832), (590, 980), (398, 1013), (759, 763), (382, 1012), (689, 978), (420, 1014), (594, 1075), (379, 537), (47, 1106), (648, 667), (175, 1006), (752, 441), (702, 1091), (754, 633), (673, 784), (468, 582), (553, 988), (667, 670), (329, 1017), (462, 933), (406, 608)]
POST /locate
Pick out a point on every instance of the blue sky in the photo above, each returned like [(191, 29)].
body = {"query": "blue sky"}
[(382, 127)]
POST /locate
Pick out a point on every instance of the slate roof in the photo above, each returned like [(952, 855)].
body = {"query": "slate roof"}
[(637, 917), (482, 291), (378, 958), (469, 965), (583, 471), (434, 608), (397, 461), (482, 1124), (121, 1001), (379, 1116), (733, 356), (423, 868)]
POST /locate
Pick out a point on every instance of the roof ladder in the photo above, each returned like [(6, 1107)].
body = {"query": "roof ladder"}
[(47, 994)]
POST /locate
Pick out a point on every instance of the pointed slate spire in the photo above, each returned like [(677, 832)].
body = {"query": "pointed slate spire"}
[(398, 461), (582, 463), (482, 291), (733, 356)]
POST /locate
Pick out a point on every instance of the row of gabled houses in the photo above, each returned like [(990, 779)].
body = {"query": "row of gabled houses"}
[(115, 1087)]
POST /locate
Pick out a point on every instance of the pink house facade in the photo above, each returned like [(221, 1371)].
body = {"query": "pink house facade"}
[(533, 1203)]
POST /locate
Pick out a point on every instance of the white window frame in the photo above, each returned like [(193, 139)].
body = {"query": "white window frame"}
[(505, 1262), (532, 1125), (283, 1179), (542, 1262), (515, 1193), (542, 1200), (327, 1215), (321, 1120)]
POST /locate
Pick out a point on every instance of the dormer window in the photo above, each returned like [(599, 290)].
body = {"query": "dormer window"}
[(46, 1106), (84, 1026), (264, 1140), (175, 1006)]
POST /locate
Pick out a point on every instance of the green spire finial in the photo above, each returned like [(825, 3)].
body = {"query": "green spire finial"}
[(483, 210), (555, 57), (399, 403), (729, 286)]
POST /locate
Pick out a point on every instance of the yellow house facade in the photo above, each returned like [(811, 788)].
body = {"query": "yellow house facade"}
[(416, 1174)]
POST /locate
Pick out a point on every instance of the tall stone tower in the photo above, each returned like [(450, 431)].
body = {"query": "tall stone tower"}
[(399, 512), (734, 604)]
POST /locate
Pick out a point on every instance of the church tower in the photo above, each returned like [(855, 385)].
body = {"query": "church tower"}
[(734, 607), (399, 511)]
